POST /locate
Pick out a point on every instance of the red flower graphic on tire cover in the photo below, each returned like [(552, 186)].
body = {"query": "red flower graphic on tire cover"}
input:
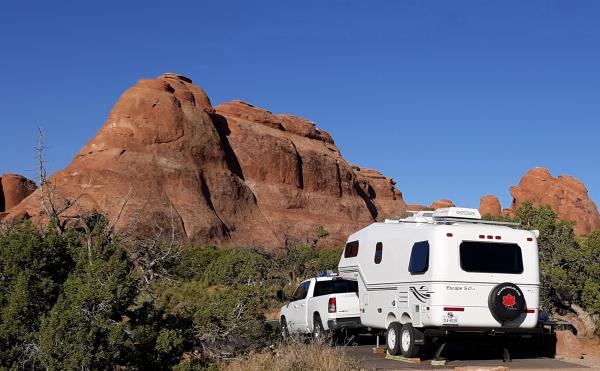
[(509, 300)]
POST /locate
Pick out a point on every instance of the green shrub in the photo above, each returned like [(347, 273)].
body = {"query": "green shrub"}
[(33, 267), (78, 298), (569, 267), (85, 328)]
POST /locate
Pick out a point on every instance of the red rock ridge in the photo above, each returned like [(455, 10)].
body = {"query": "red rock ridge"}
[(237, 175), (160, 142), (565, 194), (442, 203), (299, 177), (438, 204)]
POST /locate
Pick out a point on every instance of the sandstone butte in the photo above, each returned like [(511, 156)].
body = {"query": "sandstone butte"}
[(234, 175), (14, 189), (490, 205), (565, 194), (237, 174)]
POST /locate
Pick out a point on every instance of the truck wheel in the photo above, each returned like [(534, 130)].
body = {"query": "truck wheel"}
[(285, 332), (392, 338), (318, 329), (407, 341)]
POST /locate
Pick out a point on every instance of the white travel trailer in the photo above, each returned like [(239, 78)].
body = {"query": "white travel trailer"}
[(443, 272)]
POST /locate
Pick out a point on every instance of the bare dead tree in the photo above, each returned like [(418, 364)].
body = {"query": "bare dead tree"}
[(112, 224), (154, 256), (31, 356), (50, 204)]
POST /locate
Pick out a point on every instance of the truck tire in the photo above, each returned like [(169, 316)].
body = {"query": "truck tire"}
[(318, 329), (408, 347), (285, 332), (506, 302), (392, 338)]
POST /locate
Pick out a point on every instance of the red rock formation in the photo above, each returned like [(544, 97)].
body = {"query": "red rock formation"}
[(240, 175), (565, 194), (434, 205), (442, 203), (14, 189), (416, 207), (382, 190), (161, 143), (490, 205), (299, 177)]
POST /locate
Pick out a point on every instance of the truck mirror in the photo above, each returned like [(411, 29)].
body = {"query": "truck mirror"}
[(280, 295)]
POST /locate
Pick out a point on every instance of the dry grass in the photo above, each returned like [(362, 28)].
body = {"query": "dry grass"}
[(272, 314), (296, 355)]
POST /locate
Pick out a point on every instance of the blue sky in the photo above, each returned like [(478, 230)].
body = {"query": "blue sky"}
[(453, 99)]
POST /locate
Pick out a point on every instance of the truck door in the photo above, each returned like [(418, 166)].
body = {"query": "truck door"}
[(297, 315)]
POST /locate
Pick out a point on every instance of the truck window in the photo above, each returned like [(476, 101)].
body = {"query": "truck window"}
[(491, 257), (301, 291), (378, 252), (419, 258), (351, 249), (335, 287)]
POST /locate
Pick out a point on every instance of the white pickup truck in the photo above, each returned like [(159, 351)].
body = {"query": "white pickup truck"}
[(321, 305)]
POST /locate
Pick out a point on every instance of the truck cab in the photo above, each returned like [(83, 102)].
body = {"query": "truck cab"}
[(321, 305)]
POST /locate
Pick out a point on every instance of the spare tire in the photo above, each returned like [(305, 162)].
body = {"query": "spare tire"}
[(506, 302)]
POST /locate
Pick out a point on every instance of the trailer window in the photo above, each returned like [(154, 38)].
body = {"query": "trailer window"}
[(301, 291), (419, 258), (378, 252), (351, 249), (335, 287), (490, 257)]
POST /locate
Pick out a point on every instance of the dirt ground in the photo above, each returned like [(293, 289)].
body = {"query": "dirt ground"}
[(591, 354), (591, 348)]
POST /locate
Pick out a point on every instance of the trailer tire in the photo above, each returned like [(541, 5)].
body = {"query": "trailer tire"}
[(392, 338), (408, 336)]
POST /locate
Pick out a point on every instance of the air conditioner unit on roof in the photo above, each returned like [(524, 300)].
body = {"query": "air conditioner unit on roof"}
[(456, 212)]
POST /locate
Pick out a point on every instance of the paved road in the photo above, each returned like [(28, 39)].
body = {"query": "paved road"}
[(372, 361), (460, 355), (463, 353)]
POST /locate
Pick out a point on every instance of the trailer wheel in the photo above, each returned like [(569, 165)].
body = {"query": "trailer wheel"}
[(407, 341), (285, 332), (392, 338)]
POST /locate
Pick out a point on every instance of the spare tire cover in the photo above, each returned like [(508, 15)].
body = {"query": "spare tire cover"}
[(506, 302)]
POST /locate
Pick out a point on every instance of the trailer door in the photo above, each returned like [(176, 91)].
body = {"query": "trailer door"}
[(418, 292)]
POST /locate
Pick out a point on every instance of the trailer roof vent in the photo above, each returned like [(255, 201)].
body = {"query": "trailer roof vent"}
[(457, 213)]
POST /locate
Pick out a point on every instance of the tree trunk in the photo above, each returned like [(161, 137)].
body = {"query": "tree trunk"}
[(587, 320)]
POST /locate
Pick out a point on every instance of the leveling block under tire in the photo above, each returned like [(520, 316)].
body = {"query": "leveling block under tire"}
[(403, 339)]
